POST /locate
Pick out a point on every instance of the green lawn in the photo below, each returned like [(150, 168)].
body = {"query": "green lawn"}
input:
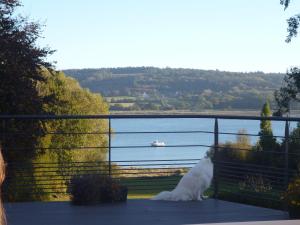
[(147, 187)]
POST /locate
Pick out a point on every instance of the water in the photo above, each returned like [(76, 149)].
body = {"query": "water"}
[(168, 153)]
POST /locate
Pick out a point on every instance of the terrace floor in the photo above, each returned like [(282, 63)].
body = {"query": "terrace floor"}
[(144, 212)]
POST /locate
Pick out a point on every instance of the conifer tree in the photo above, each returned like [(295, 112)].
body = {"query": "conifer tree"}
[(267, 142)]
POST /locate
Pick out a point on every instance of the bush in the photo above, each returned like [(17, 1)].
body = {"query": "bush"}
[(292, 198), (93, 189)]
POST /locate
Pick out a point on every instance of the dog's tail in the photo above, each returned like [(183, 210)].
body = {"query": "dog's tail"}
[(165, 195)]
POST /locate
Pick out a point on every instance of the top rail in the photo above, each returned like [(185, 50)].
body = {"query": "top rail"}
[(149, 116)]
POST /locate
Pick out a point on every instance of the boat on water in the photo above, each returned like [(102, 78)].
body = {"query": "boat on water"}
[(158, 144)]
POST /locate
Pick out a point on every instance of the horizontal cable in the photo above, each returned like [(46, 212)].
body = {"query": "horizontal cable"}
[(156, 168), (155, 160), (159, 164), (114, 132), (122, 180), (81, 169), (251, 196), (163, 132), (87, 172), (250, 150), (251, 135), (7, 192), (273, 191), (84, 172), (167, 146), (246, 169), (252, 165), (62, 148), (233, 179), (104, 162), (241, 177)]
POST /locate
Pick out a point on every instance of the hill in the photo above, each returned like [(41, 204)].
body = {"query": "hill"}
[(150, 88)]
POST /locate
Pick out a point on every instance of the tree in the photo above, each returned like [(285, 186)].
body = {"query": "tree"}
[(267, 142), (293, 22), (294, 146), (289, 91), (291, 87), (20, 63), (66, 152), (237, 151)]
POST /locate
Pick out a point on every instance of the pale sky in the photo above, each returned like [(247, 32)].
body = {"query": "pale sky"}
[(231, 35)]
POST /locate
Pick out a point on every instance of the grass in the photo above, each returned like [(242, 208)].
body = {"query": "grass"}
[(147, 187)]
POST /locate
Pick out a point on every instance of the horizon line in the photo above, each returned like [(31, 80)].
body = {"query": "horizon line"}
[(168, 67)]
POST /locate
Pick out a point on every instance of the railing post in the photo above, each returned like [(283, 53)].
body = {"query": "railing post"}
[(109, 147), (286, 154), (215, 158)]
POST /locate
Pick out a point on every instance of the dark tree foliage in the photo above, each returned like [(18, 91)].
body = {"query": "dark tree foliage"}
[(291, 86), (294, 148), (20, 64), (20, 60), (293, 22), (285, 3), (289, 91)]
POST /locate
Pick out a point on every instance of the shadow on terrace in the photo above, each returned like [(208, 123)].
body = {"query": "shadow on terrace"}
[(40, 164)]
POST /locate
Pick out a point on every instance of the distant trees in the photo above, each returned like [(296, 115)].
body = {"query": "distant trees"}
[(181, 89)]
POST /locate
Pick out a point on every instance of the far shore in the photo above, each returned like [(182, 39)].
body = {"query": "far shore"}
[(204, 112)]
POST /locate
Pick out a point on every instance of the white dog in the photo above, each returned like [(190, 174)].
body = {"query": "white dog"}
[(192, 185)]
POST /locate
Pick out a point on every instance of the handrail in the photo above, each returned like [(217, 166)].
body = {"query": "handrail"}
[(150, 116)]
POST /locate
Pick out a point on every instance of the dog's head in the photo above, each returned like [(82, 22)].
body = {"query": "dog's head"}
[(207, 166)]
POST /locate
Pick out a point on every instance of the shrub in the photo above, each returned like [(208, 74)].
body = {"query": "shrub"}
[(292, 198), (93, 189)]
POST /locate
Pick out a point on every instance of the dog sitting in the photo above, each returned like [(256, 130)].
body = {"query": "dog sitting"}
[(192, 185)]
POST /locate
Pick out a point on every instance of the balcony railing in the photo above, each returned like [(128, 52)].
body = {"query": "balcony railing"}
[(255, 182)]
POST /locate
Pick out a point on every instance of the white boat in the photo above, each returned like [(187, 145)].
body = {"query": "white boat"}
[(158, 143)]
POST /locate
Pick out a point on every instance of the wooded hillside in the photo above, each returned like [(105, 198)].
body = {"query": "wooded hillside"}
[(150, 88)]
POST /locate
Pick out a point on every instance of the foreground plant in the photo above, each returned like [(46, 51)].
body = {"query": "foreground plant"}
[(93, 189), (292, 198)]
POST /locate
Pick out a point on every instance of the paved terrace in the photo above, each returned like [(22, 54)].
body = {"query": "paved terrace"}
[(139, 212)]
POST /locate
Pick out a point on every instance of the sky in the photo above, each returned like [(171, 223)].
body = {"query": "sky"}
[(231, 35)]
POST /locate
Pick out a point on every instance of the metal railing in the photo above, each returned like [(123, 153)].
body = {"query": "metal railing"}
[(237, 180)]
